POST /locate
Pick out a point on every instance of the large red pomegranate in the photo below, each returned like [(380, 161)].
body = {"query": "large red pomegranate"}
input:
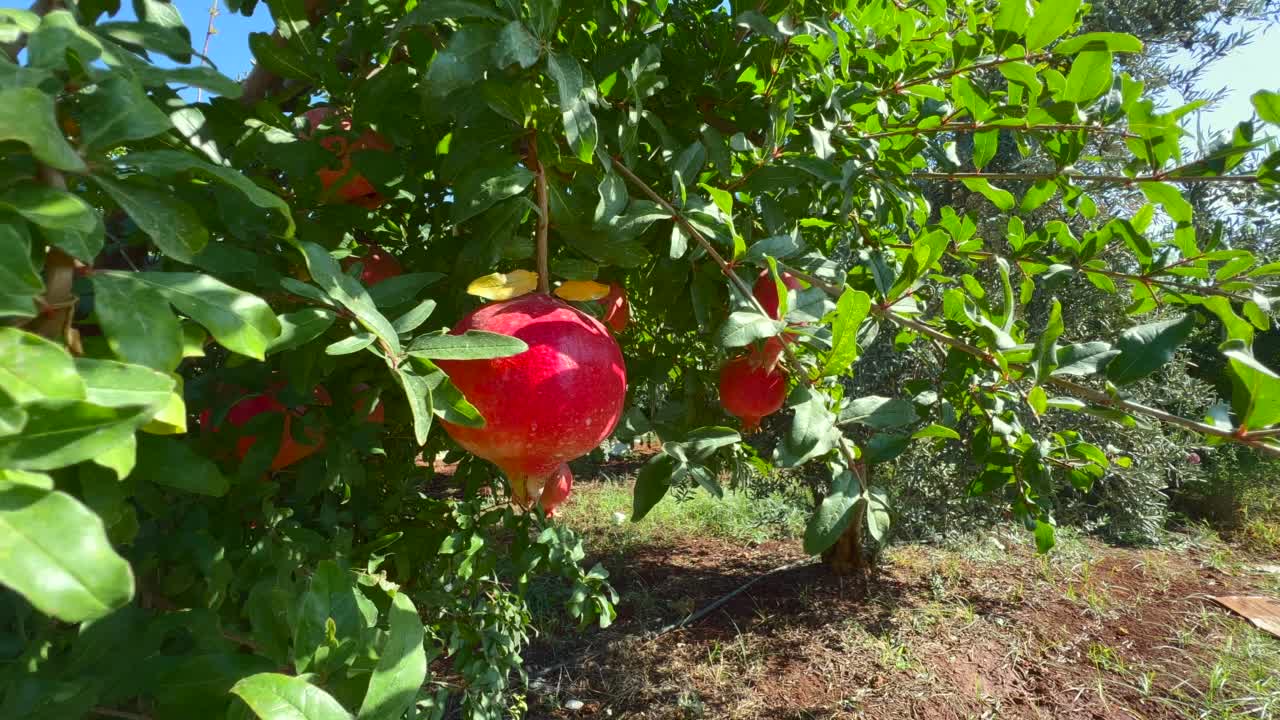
[(766, 290), (551, 403), (556, 490), (617, 311), (751, 388), (378, 265), (354, 188)]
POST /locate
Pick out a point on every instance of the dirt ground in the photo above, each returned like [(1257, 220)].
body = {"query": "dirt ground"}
[(987, 630)]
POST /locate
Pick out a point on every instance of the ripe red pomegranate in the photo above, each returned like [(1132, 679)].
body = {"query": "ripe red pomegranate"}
[(557, 490), (355, 189), (751, 389), (617, 311), (551, 403), (378, 265), (766, 290)]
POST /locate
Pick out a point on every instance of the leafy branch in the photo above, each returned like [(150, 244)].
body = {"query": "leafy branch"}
[(1117, 179)]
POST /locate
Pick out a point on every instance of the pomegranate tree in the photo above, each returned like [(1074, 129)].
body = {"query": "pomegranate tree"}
[(553, 402), (351, 187), (752, 387)]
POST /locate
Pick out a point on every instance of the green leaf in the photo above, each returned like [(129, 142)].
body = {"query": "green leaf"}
[(516, 45), (780, 247), (417, 390), (1089, 78), (1044, 536), (349, 293), (1052, 18), (935, 431), (401, 289), (33, 368), (652, 484), (332, 618), (884, 447), (402, 665), (136, 319), (879, 412), (985, 145), (1170, 198), (447, 400), (51, 209), (1109, 41), (1265, 103), (1002, 199), (579, 123), (272, 696), (851, 310), (116, 111), (813, 433), (352, 344), (59, 433), (1145, 348), (120, 459), (241, 322), (1255, 395), (833, 515), (168, 164), (462, 63), (484, 187), (20, 282), (55, 553), (116, 384), (300, 327), (428, 13), (1038, 400), (877, 513), (470, 345), (744, 328), (27, 115), (1045, 357), (1083, 359), (158, 457), (173, 225), (410, 321)]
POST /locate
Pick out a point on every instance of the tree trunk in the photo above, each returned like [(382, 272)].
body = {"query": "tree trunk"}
[(849, 556)]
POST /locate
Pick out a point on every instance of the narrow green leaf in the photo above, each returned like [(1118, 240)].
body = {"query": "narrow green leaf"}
[(55, 553), (652, 484), (935, 431), (33, 368), (878, 516), (159, 456), (136, 319), (879, 412), (59, 433), (20, 283), (579, 123), (168, 164), (173, 225), (117, 111), (401, 668), (1084, 358), (417, 391), (1052, 18), (352, 344), (1045, 357), (1089, 78), (851, 310), (1002, 199), (744, 328), (834, 513), (1255, 396), (470, 345), (300, 327), (116, 384), (1109, 41), (241, 322)]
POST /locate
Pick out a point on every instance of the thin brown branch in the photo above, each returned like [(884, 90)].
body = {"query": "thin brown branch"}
[(204, 50), (1117, 179), (544, 214), (899, 87), (58, 303), (982, 127)]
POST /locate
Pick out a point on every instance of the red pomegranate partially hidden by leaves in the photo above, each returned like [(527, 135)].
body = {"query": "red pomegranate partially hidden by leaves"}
[(766, 290), (377, 265), (556, 490), (553, 402), (353, 187), (617, 311), (752, 388)]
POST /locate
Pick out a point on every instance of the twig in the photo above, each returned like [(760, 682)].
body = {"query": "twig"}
[(118, 713), (899, 87), (1119, 179), (727, 597), (204, 50), (544, 216)]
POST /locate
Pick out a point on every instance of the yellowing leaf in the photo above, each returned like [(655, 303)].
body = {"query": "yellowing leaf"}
[(504, 286), (172, 418), (581, 290)]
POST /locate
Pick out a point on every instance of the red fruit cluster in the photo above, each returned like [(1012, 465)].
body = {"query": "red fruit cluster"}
[(351, 187), (554, 402), (753, 386), (291, 451)]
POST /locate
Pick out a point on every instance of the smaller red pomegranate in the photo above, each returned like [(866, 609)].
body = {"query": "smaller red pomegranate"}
[(752, 388), (354, 187), (378, 265), (554, 402), (617, 311), (1193, 458), (766, 290), (556, 490)]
